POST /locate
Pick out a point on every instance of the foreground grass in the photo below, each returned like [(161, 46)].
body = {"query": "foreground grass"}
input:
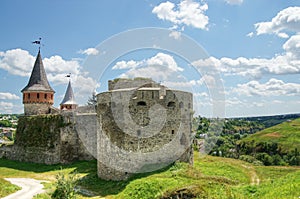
[(210, 177), (7, 188)]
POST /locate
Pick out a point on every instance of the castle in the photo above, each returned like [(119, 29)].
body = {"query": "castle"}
[(137, 126)]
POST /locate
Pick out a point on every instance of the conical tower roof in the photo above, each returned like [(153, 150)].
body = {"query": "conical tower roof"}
[(38, 80), (69, 96)]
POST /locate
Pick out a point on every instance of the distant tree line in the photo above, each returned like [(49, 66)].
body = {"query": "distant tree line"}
[(269, 153)]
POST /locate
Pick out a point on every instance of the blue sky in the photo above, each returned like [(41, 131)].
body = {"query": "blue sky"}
[(253, 46)]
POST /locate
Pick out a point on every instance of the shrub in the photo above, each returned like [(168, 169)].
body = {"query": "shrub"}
[(65, 186), (265, 158), (247, 158)]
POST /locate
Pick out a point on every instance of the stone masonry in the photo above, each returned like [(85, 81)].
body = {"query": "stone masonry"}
[(142, 117), (136, 126)]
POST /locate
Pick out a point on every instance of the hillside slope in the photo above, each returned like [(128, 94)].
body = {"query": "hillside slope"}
[(274, 145), (286, 134)]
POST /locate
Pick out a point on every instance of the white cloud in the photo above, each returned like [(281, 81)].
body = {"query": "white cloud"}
[(283, 35), (17, 62), (273, 87), (255, 68), (165, 60), (208, 80), (182, 85), (234, 101), (286, 20), (202, 94), (292, 47), (89, 51), (234, 2), (8, 96), (6, 107), (189, 85), (161, 60), (20, 62), (84, 86), (57, 65), (125, 65), (187, 12), (161, 67), (250, 34), (175, 34)]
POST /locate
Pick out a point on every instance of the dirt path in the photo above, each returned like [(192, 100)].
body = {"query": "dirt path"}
[(30, 187), (254, 177)]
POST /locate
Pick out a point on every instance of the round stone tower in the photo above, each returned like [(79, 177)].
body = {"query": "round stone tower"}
[(38, 95), (144, 126)]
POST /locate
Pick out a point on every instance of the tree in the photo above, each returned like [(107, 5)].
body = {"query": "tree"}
[(93, 99)]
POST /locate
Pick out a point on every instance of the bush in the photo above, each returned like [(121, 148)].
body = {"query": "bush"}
[(247, 158), (265, 158), (65, 186)]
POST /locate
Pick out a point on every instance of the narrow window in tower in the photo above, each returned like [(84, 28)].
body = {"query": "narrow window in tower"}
[(171, 104), (52, 96), (28, 95), (152, 95), (181, 105), (38, 95), (45, 96), (141, 103)]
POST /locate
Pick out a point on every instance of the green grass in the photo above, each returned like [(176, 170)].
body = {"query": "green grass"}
[(285, 187), (210, 177), (7, 188), (232, 169), (286, 134), (268, 174)]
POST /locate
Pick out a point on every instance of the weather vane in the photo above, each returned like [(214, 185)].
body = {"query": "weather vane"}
[(38, 42)]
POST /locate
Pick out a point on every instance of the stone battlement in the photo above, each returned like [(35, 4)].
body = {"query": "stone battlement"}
[(122, 83)]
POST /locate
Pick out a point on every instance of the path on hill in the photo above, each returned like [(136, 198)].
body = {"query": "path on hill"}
[(30, 187), (253, 175)]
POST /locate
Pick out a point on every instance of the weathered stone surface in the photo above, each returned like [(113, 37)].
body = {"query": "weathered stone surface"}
[(150, 120), (37, 108), (48, 139)]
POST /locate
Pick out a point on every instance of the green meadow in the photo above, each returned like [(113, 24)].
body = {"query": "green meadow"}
[(210, 177)]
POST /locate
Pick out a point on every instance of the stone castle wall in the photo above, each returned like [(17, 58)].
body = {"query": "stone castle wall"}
[(47, 139), (137, 126), (131, 83), (143, 120)]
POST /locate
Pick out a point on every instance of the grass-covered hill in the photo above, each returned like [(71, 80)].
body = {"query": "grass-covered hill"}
[(210, 177), (280, 143)]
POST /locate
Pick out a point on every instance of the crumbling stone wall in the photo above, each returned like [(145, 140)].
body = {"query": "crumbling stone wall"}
[(144, 120), (48, 139), (121, 83)]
